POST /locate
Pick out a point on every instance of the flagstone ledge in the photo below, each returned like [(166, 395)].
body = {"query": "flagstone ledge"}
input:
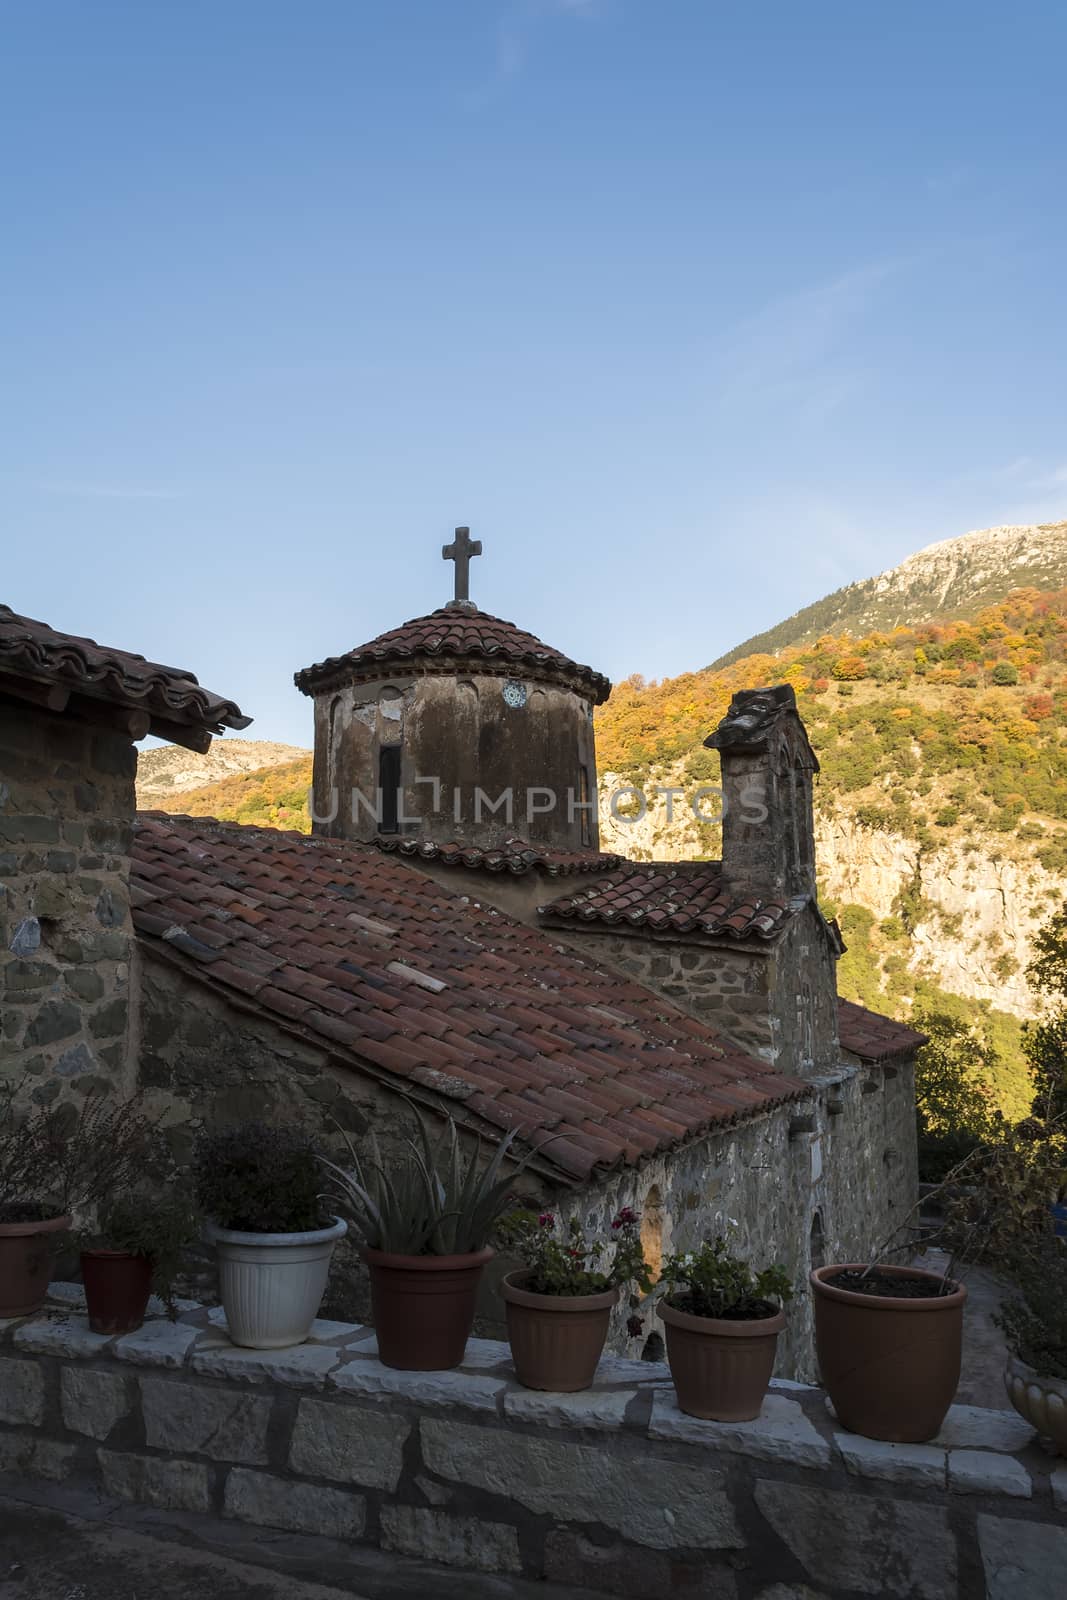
[(607, 1488)]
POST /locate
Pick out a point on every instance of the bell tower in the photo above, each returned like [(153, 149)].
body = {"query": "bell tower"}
[(456, 728)]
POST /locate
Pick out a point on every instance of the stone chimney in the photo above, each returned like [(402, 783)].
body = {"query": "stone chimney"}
[(768, 835)]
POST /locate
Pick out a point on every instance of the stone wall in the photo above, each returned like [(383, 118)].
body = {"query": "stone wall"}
[(613, 1489), (828, 1179), (777, 1000), (66, 810)]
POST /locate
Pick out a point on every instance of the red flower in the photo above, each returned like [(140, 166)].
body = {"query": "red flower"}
[(546, 1220)]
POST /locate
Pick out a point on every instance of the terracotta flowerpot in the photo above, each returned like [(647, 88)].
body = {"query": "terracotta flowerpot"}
[(721, 1367), (556, 1339), (117, 1286), (1041, 1401), (423, 1307), (890, 1366), (27, 1250)]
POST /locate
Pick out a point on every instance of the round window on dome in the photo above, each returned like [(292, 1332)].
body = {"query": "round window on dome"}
[(514, 693)]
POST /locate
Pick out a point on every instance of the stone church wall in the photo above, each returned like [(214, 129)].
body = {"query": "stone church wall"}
[(66, 811)]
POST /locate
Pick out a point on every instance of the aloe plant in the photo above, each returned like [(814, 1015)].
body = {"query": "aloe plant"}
[(428, 1199)]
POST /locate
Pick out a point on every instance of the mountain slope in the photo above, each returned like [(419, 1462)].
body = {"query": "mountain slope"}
[(171, 770), (953, 578)]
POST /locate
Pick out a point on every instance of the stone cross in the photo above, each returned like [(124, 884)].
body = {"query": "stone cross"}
[(462, 548)]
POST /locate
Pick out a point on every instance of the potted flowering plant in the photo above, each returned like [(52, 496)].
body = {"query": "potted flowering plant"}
[(259, 1187), (137, 1247), (56, 1162), (426, 1215), (559, 1304), (723, 1321)]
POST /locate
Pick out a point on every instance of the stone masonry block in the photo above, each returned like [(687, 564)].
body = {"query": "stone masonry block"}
[(225, 1424), (21, 1392), (863, 1545), (1058, 1485), (650, 1498), (157, 1344), (453, 1541), (93, 1402), (629, 1573), (349, 1444), (972, 1428), (36, 1457), (56, 1334), (301, 1366), (474, 1392), (589, 1408), (151, 1481), (1022, 1560), (270, 1502), (918, 1465), (988, 1472), (780, 1433)]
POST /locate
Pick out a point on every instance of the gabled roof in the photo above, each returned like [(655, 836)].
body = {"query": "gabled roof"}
[(872, 1037), (514, 856), (685, 897), (450, 635), (61, 671), (397, 975)]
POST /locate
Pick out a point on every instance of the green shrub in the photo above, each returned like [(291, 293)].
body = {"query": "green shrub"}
[(254, 1178)]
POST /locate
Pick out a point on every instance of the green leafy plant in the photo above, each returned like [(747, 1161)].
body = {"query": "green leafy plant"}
[(428, 1198), (561, 1260), (255, 1178), (144, 1223), (62, 1159), (1035, 1321), (712, 1281)]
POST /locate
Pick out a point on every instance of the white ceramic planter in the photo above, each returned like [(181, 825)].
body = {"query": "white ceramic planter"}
[(1042, 1401), (272, 1283)]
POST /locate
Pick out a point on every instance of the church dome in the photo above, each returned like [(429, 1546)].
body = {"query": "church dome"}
[(450, 639)]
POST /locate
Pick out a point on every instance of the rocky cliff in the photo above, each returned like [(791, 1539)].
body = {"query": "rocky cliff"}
[(954, 577)]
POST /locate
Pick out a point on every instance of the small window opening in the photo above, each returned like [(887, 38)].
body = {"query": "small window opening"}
[(389, 783), (585, 813)]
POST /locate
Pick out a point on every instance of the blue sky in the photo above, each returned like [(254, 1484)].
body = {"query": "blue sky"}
[(693, 311)]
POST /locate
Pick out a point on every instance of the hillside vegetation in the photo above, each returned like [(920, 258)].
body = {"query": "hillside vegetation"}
[(955, 577), (273, 797)]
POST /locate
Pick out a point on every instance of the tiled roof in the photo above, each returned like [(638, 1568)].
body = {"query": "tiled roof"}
[(32, 653), (674, 897), (873, 1037), (514, 855), (448, 635), (391, 970)]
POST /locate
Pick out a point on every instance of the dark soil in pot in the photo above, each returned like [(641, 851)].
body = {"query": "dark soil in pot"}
[(885, 1285), (117, 1286)]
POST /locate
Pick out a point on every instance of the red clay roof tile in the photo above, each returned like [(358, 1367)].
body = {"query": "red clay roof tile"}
[(520, 1031), (32, 651), (872, 1037), (443, 639), (684, 897)]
